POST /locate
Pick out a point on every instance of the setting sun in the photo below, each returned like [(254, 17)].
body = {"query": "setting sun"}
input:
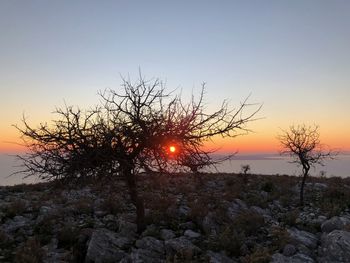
[(172, 149)]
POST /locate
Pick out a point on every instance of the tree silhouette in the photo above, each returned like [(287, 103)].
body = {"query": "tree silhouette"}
[(130, 131), (303, 144)]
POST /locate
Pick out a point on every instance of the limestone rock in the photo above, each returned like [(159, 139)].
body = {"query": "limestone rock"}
[(145, 256), (181, 246), (297, 258), (106, 246), (335, 247), (335, 223), (289, 250), (191, 234), (16, 223), (213, 257), (209, 224), (235, 208), (151, 244), (306, 238), (167, 234)]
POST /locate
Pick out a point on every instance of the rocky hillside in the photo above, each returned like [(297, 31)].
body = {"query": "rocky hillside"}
[(211, 218)]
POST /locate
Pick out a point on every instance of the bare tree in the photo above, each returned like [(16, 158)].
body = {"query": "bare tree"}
[(303, 144), (140, 128), (245, 169)]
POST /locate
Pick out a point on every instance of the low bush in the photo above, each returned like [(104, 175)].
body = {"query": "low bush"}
[(290, 217), (30, 252), (112, 205), (248, 222), (44, 229), (279, 238), (67, 236), (83, 206), (260, 255), (228, 240), (15, 208)]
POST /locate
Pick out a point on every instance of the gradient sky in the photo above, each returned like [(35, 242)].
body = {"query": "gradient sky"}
[(292, 56)]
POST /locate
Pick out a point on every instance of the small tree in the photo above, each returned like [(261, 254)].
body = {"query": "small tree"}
[(245, 169), (303, 144), (140, 128)]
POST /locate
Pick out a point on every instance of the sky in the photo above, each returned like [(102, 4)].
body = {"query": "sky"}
[(291, 56)]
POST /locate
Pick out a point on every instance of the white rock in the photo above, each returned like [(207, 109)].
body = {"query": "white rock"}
[(335, 223), (105, 246), (191, 234), (306, 238), (335, 247)]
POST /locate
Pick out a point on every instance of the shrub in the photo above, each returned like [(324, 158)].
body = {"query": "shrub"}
[(290, 217), (260, 255), (334, 200), (67, 236), (228, 240), (30, 252), (279, 238), (159, 204), (15, 208), (268, 186), (111, 205), (83, 206), (248, 222), (198, 209), (5, 240), (44, 229), (256, 199)]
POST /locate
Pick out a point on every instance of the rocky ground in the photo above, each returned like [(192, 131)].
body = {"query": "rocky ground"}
[(211, 218)]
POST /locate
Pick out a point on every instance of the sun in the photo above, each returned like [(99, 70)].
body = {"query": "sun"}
[(172, 149)]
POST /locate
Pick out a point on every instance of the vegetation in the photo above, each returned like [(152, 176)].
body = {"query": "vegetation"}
[(263, 213), (303, 144), (131, 131)]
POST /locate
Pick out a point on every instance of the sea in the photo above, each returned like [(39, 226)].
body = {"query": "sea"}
[(258, 163)]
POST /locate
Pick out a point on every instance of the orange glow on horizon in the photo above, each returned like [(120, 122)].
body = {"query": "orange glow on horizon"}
[(252, 143)]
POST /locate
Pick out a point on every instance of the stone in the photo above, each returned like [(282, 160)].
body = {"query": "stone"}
[(106, 246), (44, 210), (184, 210), (151, 230), (187, 225), (213, 257), (109, 218), (126, 228), (289, 250), (319, 220), (306, 238), (100, 213), (209, 224), (335, 223), (320, 186), (181, 246), (191, 234), (335, 247), (151, 244), (12, 225), (235, 208), (260, 211), (167, 234), (145, 256), (297, 258), (149, 249)]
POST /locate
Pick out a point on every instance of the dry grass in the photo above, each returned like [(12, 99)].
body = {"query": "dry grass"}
[(15, 208), (30, 252)]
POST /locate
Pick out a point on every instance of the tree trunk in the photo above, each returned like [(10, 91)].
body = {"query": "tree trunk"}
[(305, 174), (135, 198)]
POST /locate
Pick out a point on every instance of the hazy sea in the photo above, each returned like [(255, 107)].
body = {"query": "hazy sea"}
[(259, 163)]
